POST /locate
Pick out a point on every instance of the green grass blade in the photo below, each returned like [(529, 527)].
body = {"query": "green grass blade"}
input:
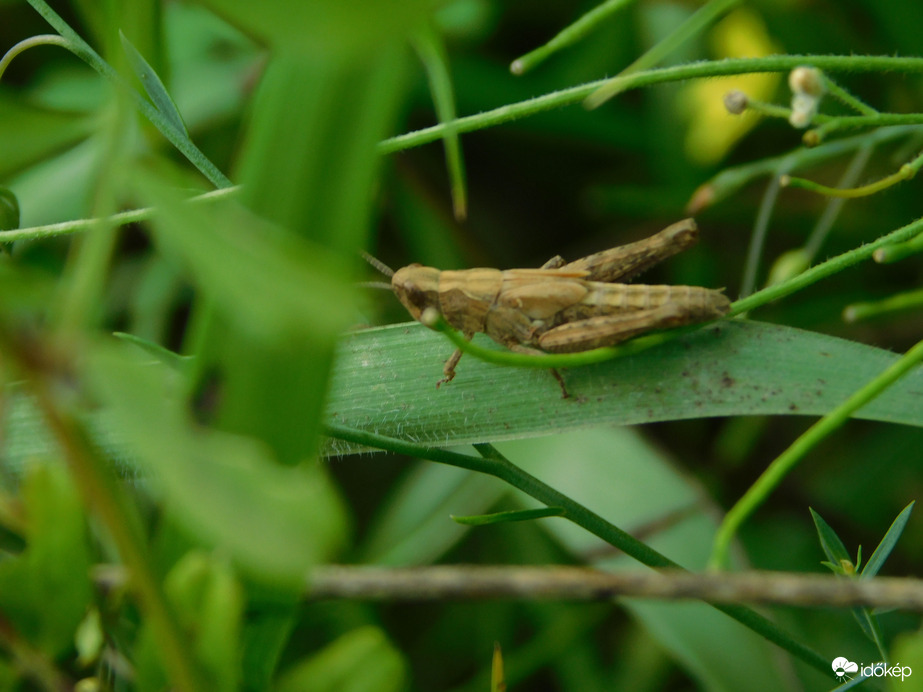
[(385, 381)]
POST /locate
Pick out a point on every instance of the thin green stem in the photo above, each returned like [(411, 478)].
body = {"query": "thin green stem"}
[(696, 70), (178, 139), (898, 251), (568, 35), (121, 219), (492, 463), (758, 237), (909, 300), (702, 18), (853, 122), (844, 97), (785, 462), (769, 110), (825, 269)]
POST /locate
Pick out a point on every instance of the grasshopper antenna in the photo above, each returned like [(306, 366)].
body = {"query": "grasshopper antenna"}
[(381, 267), (378, 264)]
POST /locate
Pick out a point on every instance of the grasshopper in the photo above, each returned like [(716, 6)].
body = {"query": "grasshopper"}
[(563, 307)]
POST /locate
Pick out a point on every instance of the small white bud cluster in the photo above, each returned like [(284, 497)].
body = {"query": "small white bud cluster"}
[(807, 85)]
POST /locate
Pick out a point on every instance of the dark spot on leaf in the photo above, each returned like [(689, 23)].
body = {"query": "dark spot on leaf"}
[(793, 407), (727, 380)]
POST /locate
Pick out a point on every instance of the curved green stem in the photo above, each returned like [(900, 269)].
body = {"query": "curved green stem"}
[(492, 463), (31, 42), (732, 179), (904, 173), (785, 462), (552, 360)]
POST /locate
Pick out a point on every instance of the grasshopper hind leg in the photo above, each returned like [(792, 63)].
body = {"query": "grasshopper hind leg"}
[(608, 330)]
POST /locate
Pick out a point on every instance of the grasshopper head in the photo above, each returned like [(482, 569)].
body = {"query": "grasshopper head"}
[(417, 287)]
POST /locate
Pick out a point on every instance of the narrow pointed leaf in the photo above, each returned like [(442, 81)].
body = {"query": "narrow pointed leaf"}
[(829, 541), (891, 537), (153, 86)]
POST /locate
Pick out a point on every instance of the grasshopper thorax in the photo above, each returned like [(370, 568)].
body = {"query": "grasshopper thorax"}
[(417, 287)]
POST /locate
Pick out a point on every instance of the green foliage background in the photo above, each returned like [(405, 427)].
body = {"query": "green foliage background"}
[(172, 508)]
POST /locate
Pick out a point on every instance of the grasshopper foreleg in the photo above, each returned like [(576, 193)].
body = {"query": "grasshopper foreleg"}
[(448, 370)]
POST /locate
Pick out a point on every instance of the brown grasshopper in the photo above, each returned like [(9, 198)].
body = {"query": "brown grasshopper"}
[(563, 307)]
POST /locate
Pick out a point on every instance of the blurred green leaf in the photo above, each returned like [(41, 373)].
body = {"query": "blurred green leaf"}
[(29, 133), (9, 210), (270, 285), (280, 301), (54, 568), (210, 604), (225, 489), (323, 27), (308, 166), (907, 651), (361, 661)]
